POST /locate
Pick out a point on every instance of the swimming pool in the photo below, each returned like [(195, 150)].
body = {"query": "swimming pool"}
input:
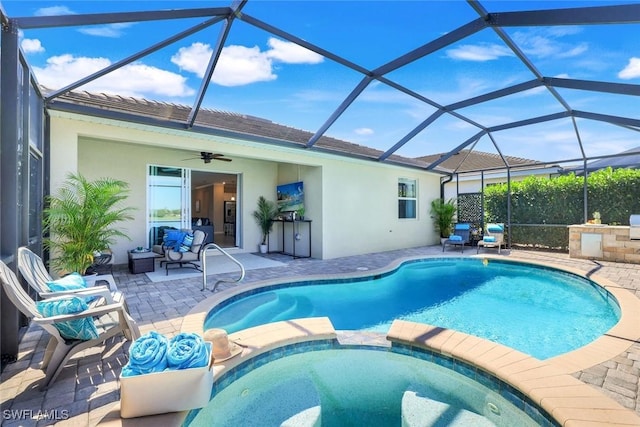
[(356, 387), (540, 311)]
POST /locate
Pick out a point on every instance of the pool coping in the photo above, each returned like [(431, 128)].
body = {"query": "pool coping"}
[(566, 399)]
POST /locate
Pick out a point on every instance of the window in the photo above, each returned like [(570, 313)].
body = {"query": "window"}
[(407, 198)]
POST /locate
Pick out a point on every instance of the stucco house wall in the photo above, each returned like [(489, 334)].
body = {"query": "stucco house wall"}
[(352, 203)]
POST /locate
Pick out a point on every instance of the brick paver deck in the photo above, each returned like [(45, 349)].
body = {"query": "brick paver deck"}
[(88, 387)]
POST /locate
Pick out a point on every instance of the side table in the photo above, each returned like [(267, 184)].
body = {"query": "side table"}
[(102, 263), (142, 261)]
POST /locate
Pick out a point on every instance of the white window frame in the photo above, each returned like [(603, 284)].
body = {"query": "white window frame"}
[(404, 195)]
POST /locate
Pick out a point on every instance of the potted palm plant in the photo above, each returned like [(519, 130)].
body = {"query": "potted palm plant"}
[(264, 214), (80, 221), (443, 213)]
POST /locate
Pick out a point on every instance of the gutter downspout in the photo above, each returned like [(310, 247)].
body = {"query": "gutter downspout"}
[(444, 181)]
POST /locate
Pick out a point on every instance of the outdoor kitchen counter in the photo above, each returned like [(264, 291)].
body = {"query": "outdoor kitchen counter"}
[(603, 242)]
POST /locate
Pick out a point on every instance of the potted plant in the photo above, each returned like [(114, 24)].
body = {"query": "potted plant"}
[(443, 213), (300, 213), (80, 221), (264, 215)]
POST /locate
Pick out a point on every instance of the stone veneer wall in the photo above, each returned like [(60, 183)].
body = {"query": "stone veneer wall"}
[(616, 245)]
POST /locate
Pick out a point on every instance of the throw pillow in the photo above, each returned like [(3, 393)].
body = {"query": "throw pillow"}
[(70, 282), (78, 329), (174, 239), (185, 246)]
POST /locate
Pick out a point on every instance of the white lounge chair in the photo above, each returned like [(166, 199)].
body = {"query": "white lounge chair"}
[(109, 320), (33, 270), (493, 237)]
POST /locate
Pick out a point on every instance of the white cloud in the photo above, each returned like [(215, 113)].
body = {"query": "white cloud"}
[(546, 43), (632, 70), (479, 52), (31, 46), (111, 30), (237, 65), (291, 53), (193, 58), (132, 80), (241, 65), (576, 51), (364, 131), (54, 11)]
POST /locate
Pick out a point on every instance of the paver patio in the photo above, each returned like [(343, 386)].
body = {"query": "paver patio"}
[(88, 388)]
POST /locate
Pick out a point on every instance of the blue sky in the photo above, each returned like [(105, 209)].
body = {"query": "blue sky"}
[(265, 76)]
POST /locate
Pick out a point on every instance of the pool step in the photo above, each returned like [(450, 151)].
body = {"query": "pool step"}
[(418, 410), (293, 402), (264, 313), (302, 308), (230, 317)]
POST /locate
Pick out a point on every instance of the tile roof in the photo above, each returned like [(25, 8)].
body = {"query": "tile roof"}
[(239, 125), (476, 161)]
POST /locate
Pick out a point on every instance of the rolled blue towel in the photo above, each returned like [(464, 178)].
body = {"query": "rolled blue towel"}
[(147, 354), (187, 350), (455, 238)]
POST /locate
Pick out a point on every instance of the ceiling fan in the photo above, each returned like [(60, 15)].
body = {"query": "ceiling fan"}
[(208, 156)]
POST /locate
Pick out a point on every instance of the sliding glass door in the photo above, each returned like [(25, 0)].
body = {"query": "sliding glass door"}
[(169, 200)]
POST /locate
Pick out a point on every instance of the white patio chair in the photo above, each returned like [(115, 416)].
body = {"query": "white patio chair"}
[(493, 237), (33, 270), (108, 319)]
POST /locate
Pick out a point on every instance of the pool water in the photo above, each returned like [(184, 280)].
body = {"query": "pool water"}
[(355, 387), (539, 311)]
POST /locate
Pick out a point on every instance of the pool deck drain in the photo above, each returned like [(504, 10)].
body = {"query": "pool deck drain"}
[(88, 387)]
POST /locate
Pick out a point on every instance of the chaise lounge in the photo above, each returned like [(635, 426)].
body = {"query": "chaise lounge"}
[(493, 237), (460, 236)]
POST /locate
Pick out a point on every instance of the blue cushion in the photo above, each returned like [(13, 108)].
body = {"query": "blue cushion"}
[(174, 239), (463, 226), (70, 282), (455, 238), (79, 329), (489, 238), (495, 229), (185, 246)]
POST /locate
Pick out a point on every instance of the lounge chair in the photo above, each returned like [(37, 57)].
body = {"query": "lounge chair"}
[(35, 273), (493, 237), (105, 321), (188, 255), (460, 236)]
